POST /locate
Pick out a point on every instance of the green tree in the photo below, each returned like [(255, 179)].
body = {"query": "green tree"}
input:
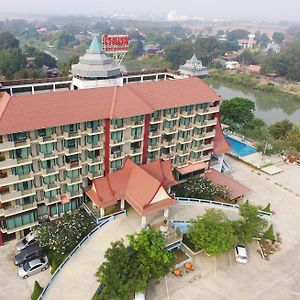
[(280, 129), (278, 37), (251, 225), (65, 67), (213, 232), (8, 41), (177, 53), (237, 34), (237, 112), (63, 38), (118, 274), (135, 48), (11, 61), (152, 258), (292, 140), (37, 291)]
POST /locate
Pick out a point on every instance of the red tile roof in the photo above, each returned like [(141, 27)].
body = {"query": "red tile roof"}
[(28, 112), (220, 143), (237, 189), (192, 168), (138, 185)]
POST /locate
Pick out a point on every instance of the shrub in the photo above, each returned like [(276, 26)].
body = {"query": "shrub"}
[(36, 291), (267, 208), (269, 234)]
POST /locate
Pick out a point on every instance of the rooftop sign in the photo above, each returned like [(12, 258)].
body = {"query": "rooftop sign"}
[(113, 43)]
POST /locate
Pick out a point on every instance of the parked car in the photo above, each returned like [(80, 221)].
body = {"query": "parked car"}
[(34, 266), (240, 253), (100, 288), (28, 240), (28, 254)]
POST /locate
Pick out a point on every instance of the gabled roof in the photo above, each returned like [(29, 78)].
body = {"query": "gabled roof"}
[(220, 143), (29, 112), (137, 185), (237, 189)]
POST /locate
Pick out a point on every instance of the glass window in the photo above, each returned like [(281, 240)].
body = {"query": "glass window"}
[(187, 108), (72, 158), (73, 174), (49, 179), (155, 114), (117, 135), (72, 128), (92, 139), (21, 220), (46, 132), (23, 186), (92, 124), (116, 164), (137, 159), (21, 170), (47, 148), (199, 118), (19, 137), (48, 164), (137, 132), (51, 194), (117, 122), (19, 153), (153, 142), (185, 121)]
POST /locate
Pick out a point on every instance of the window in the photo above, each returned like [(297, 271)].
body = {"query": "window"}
[(47, 148), (72, 158), (28, 200), (180, 159), (185, 121), (19, 137), (117, 135), (170, 111), (156, 115), (73, 188), (93, 154), (187, 108), (71, 128), (45, 132), (21, 220), (21, 170), (48, 164), (23, 186), (181, 147), (92, 139), (19, 153), (71, 143), (92, 124), (136, 132), (197, 144), (51, 194), (199, 119), (198, 131), (169, 124), (183, 134), (94, 169), (73, 174), (116, 164), (49, 179), (136, 159), (137, 119), (195, 155), (153, 142), (117, 123)]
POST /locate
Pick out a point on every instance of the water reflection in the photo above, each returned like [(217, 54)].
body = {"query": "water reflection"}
[(271, 107)]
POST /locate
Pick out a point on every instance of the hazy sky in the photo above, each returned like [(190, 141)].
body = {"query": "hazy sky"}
[(228, 9)]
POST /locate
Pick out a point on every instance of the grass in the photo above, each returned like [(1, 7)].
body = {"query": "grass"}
[(36, 291), (55, 259)]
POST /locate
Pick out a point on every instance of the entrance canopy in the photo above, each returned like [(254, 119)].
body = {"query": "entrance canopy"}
[(143, 187)]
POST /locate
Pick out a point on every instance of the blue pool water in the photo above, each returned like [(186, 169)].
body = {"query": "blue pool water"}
[(239, 148), (183, 227)]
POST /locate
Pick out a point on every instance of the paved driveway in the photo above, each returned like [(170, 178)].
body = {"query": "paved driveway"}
[(11, 286)]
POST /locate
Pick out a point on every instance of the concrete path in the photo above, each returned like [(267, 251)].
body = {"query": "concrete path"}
[(77, 278)]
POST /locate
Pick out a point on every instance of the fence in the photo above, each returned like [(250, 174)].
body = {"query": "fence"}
[(218, 204), (107, 220)]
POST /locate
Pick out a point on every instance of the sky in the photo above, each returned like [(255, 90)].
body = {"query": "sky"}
[(270, 10)]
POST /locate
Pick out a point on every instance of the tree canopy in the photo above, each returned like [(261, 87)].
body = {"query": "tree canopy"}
[(278, 37), (213, 232), (237, 34), (8, 41)]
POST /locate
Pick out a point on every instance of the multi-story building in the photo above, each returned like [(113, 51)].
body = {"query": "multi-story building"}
[(52, 145)]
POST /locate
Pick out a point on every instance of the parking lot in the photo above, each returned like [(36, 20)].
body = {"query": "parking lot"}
[(12, 287), (222, 277)]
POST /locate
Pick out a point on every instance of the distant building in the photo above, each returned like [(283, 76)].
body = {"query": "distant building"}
[(254, 69), (222, 37), (152, 48), (247, 43), (41, 30), (193, 67), (272, 47), (232, 65)]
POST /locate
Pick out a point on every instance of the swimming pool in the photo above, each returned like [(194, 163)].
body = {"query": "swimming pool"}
[(182, 226), (240, 148)]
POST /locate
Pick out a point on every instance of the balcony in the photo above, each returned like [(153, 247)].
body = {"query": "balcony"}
[(168, 143), (171, 117), (182, 152), (156, 120), (14, 145), (50, 171), (73, 150), (51, 186), (205, 157), (10, 179), (199, 136), (117, 142), (47, 139), (187, 114), (17, 209), (95, 160), (136, 138), (72, 165), (136, 151), (184, 140), (154, 133), (185, 126), (136, 124), (166, 156), (93, 131), (71, 181), (154, 147), (72, 135), (74, 194), (117, 127), (45, 156), (214, 109), (12, 195), (181, 163), (197, 148), (194, 160), (93, 175), (52, 200), (91, 147), (117, 155), (208, 146), (170, 130), (211, 122), (210, 134)]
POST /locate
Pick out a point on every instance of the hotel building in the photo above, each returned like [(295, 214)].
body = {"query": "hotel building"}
[(54, 144)]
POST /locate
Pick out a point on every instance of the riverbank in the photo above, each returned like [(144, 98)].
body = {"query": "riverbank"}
[(251, 81)]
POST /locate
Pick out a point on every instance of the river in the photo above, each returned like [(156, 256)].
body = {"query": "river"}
[(270, 107)]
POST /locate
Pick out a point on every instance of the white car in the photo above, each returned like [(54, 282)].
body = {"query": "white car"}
[(240, 253), (26, 241), (33, 267)]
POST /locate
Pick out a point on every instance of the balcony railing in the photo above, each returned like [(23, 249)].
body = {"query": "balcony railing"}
[(11, 195), (171, 130), (184, 139), (208, 146), (17, 209), (47, 139), (44, 156), (73, 150), (98, 145), (166, 156), (181, 163), (48, 171), (136, 137), (72, 165), (95, 160), (154, 133), (73, 180), (72, 135), (51, 186), (172, 116), (186, 126), (188, 113), (5, 146), (182, 151), (93, 175), (156, 120), (210, 134), (118, 141), (136, 151), (169, 143), (154, 147), (74, 194), (93, 131), (195, 159)]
